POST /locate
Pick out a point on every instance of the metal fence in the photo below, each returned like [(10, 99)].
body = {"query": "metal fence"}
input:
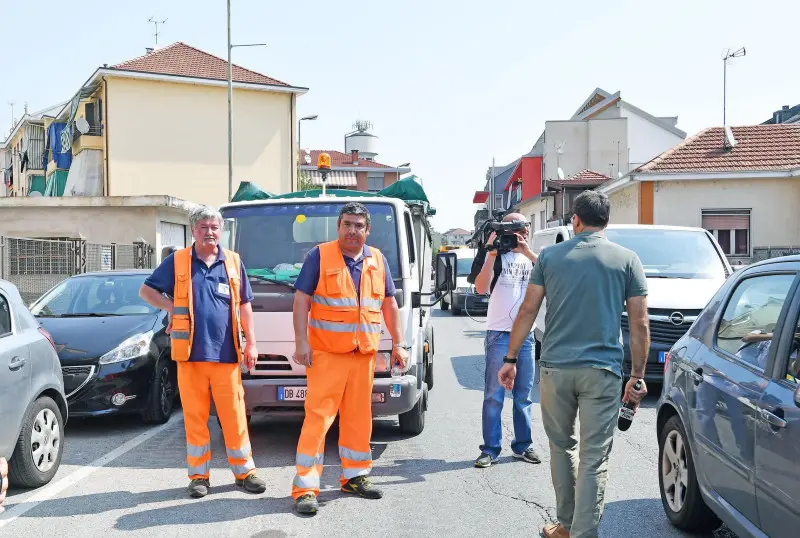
[(36, 265)]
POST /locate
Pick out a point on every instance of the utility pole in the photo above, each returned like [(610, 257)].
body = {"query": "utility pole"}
[(230, 102), (728, 55), (156, 23)]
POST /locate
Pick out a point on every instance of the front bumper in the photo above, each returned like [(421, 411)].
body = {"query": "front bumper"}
[(131, 378), (261, 395), (471, 302)]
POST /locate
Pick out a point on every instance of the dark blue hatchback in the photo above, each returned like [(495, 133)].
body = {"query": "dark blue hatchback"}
[(729, 413)]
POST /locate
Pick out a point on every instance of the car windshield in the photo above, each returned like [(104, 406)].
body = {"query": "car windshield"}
[(671, 253), (273, 240), (101, 295), (464, 266)]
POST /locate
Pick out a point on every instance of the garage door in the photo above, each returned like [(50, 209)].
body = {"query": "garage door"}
[(172, 235)]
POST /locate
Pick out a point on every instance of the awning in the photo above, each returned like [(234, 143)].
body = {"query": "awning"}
[(480, 197), (336, 178)]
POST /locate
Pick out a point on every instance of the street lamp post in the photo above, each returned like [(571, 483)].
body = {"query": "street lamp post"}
[(299, 145), (230, 102)]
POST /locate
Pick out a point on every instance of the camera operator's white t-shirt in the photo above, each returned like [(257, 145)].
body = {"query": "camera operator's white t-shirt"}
[(509, 291)]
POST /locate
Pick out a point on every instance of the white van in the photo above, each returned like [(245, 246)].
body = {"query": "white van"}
[(464, 298), (684, 268)]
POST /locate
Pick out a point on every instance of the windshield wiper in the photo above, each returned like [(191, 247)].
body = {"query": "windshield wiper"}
[(87, 315), (274, 281)]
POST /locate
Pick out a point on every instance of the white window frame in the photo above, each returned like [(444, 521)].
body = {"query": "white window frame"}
[(732, 236)]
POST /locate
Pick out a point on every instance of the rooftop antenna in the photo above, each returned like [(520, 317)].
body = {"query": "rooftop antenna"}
[(11, 104), (728, 55), (156, 23), (362, 126)]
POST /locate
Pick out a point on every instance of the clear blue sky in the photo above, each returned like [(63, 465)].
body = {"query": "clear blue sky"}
[(447, 84)]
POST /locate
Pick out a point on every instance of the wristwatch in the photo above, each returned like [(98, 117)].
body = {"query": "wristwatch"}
[(509, 360)]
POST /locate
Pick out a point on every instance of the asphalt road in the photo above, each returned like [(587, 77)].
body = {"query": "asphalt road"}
[(119, 478)]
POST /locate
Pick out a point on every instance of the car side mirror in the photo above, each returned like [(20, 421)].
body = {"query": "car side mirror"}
[(446, 263)]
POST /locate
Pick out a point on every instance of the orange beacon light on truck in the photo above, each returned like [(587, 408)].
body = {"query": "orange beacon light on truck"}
[(324, 161)]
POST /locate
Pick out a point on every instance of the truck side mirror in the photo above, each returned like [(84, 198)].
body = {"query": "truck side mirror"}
[(446, 263)]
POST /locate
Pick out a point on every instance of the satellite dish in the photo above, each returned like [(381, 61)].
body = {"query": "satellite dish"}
[(82, 125), (560, 147), (730, 141), (560, 173), (307, 158), (619, 174)]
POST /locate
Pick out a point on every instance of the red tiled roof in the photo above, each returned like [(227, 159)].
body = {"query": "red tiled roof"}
[(340, 160), (181, 60), (758, 148), (584, 177)]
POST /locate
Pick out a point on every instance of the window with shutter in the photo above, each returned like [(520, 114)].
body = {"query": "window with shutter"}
[(731, 228)]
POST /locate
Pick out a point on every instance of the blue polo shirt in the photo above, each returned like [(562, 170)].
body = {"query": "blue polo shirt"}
[(213, 334), (309, 275)]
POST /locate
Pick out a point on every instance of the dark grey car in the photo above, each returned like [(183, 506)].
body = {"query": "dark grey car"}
[(729, 414), (33, 408)]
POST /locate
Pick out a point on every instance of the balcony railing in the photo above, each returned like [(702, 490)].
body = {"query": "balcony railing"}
[(94, 130)]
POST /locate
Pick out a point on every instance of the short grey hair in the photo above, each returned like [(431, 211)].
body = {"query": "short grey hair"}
[(593, 208), (204, 212), (357, 209)]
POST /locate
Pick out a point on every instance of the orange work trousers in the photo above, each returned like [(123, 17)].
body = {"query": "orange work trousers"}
[(197, 382), (336, 383)]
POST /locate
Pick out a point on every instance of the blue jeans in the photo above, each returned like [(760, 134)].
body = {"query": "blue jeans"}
[(494, 394)]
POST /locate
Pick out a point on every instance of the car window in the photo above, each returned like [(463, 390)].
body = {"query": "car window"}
[(102, 295), (745, 330), (5, 317), (792, 372)]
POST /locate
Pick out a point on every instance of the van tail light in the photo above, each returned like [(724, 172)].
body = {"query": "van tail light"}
[(667, 358), (49, 337)]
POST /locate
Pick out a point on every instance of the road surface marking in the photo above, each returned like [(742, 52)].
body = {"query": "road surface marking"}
[(54, 488)]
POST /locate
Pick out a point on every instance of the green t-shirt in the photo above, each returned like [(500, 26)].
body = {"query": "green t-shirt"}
[(586, 281)]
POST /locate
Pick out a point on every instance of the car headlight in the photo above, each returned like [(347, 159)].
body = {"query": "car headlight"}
[(133, 347)]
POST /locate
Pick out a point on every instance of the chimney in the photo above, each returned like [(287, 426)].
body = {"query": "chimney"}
[(148, 50), (355, 157)]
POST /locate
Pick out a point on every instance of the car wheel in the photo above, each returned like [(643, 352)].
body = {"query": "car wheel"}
[(413, 421), (39, 446), (677, 479), (161, 400)]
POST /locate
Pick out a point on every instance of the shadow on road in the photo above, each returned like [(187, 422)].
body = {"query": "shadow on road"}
[(633, 517)]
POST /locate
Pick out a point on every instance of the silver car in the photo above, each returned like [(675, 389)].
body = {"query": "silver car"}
[(33, 408)]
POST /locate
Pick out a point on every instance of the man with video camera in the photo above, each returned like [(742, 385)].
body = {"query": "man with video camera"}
[(504, 274)]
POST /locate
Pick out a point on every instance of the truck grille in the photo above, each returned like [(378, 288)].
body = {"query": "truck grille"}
[(662, 330), (75, 377), (273, 363)]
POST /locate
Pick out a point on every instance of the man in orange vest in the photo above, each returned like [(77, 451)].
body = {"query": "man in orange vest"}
[(209, 310), (342, 290)]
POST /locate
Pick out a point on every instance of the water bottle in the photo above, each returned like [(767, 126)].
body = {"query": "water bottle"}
[(396, 388), (627, 410)]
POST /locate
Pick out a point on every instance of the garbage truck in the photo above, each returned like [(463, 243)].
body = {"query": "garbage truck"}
[(273, 234)]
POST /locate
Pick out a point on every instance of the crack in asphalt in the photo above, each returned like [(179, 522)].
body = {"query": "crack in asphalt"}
[(547, 513)]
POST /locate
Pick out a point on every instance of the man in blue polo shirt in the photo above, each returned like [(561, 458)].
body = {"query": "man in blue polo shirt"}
[(205, 336)]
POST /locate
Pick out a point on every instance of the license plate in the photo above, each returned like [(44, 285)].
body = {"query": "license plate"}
[(662, 356), (292, 394)]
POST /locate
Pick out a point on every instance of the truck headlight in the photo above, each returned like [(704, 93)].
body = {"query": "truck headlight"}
[(131, 348)]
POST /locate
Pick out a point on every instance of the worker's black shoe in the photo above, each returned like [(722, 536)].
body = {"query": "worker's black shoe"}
[(362, 487), (252, 483), (198, 487), (307, 504)]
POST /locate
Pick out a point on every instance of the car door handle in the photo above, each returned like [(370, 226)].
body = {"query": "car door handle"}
[(696, 374), (773, 419), (17, 363)]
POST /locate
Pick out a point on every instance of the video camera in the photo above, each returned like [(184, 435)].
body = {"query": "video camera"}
[(505, 240)]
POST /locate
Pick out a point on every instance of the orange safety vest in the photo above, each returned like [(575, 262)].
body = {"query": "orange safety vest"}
[(339, 321), (183, 311)]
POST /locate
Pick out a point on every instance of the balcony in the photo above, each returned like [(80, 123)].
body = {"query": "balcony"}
[(92, 139)]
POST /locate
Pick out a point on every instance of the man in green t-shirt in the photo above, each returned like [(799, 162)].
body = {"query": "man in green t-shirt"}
[(587, 281)]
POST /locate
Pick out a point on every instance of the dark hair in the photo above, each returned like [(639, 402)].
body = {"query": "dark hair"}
[(354, 208), (593, 208)]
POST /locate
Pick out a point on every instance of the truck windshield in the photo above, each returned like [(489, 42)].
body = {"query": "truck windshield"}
[(671, 253), (273, 239), (464, 266)]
